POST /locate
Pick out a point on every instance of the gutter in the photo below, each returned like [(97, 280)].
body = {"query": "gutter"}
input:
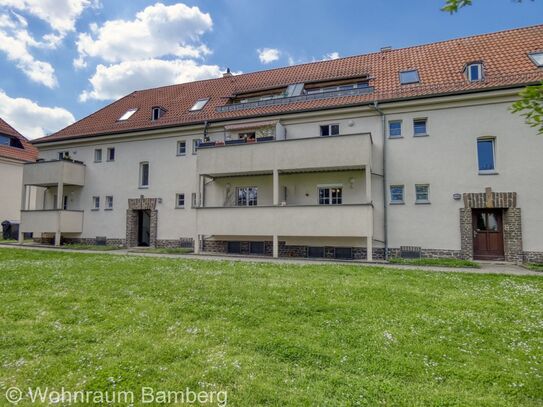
[(375, 106)]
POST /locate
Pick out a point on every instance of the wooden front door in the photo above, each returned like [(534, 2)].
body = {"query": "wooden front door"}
[(488, 234)]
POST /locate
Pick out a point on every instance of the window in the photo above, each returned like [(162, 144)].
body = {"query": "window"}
[(144, 175), (98, 155), (345, 253), (181, 147), (330, 195), (63, 155), (335, 88), (127, 115), (111, 154), (315, 252), (10, 141), (109, 202), (396, 194), (5, 140), (199, 105), (486, 154), (158, 112), (95, 202), (407, 77), (65, 202), (474, 72), (422, 193), (234, 247), (256, 247), (330, 130), (180, 201), (419, 127), (537, 58), (195, 143), (395, 128), (250, 135), (247, 196)]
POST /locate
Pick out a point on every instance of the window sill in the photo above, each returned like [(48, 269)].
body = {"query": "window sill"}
[(143, 187), (421, 135), (95, 210), (108, 209), (179, 207), (422, 202), (181, 154), (488, 172), (96, 162), (394, 137), (396, 203), (110, 161)]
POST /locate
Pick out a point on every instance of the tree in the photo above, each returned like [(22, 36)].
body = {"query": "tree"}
[(531, 98)]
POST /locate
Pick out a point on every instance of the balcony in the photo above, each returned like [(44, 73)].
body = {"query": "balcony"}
[(52, 173), (304, 154), (51, 221), (350, 220)]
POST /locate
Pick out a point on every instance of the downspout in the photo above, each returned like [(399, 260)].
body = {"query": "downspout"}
[(375, 106), (206, 125)]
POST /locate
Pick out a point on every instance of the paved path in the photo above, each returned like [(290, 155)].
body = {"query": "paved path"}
[(486, 267)]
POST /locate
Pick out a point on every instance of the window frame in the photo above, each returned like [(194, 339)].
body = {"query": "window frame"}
[(493, 170), (95, 203), (396, 201), (480, 71), (128, 114), (196, 108), (533, 57), (330, 198), (110, 150), (160, 112), (422, 201), (391, 122), (63, 155), (177, 196), (179, 144), (248, 198), (420, 119), (141, 166), (407, 72), (329, 127), (98, 152), (109, 203)]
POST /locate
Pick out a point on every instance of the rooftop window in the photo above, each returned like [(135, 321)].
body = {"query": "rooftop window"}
[(407, 77), (537, 58), (10, 141), (248, 98), (474, 72), (199, 105), (128, 114), (337, 87), (158, 112)]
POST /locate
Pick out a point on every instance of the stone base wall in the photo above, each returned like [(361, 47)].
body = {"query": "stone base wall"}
[(173, 243), (533, 257), (92, 241)]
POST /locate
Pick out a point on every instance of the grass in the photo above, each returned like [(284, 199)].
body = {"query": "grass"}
[(535, 266), (163, 250), (456, 263), (98, 248), (270, 334)]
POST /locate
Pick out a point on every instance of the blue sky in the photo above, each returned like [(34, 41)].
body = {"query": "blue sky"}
[(61, 61)]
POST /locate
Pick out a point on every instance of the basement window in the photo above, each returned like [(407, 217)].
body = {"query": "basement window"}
[(127, 115), (537, 58), (199, 105), (407, 77)]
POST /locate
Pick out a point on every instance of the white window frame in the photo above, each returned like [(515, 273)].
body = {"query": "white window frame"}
[(127, 115), (494, 170), (480, 71), (158, 112), (177, 197), (401, 129), (63, 155), (199, 105), (422, 201), (534, 56), (95, 203), (247, 195), (407, 71), (330, 199), (108, 152), (330, 129), (184, 144), (142, 164), (109, 203), (395, 201), (98, 156), (420, 119)]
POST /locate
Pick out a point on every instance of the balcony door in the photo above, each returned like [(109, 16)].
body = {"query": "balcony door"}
[(488, 234)]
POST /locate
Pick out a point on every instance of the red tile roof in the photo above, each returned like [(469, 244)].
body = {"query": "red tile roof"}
[(441, 68), (27, 153)]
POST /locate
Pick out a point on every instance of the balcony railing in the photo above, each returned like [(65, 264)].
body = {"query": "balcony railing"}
[(51, 221), (49, 173), (352, 220), (346, 151)]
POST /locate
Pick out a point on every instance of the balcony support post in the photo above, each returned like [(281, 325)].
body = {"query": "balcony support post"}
[(60, 206), (275, 187), (275, 246), (369, 247), (197, 244), (367, 171)]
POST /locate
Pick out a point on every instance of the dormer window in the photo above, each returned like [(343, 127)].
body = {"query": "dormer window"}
[(10, 141), (199, 105), (158, 112), (474, 72), (411, 76), (537, 58), (127, 115)]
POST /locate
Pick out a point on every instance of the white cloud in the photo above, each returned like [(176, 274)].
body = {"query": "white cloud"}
[(330, 56), (16, 42), (268, 55), (156, 31), (114, 81), (31, 119)]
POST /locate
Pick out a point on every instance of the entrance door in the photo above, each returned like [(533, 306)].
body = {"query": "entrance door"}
[(488, 234), (144, 228)]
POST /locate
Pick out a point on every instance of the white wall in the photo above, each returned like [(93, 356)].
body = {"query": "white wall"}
[(11, 178)]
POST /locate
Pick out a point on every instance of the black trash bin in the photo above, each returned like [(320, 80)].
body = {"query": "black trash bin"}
[(10, 230)]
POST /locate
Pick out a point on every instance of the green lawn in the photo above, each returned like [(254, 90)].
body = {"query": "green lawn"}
[(94, 247), (270, 334), (163, 250), (535, 266), (456, 263)]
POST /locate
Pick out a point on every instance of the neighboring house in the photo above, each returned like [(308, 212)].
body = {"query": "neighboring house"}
[(344, 158), (15, 150)]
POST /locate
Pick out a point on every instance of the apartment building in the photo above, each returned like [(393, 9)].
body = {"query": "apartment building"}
[(15, 150), (408, 150)]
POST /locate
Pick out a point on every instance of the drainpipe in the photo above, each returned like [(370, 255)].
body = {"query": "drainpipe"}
[(206, 125), (375, 106)]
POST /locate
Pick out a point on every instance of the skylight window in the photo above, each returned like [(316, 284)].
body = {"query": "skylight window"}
[(407, 77), (537, 58), (128, 114), (199, 105)]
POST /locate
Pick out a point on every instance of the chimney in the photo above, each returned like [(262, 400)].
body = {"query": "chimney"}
[(386, 49), (227, 73)]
